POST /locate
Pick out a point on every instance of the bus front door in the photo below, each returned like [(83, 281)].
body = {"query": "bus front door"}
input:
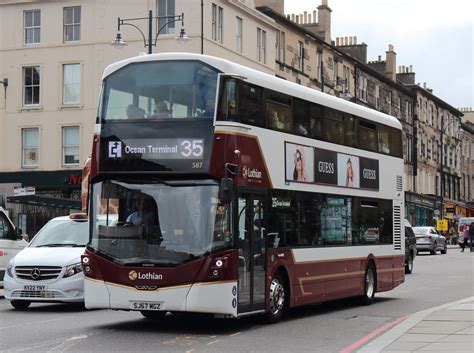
[(251, 294)]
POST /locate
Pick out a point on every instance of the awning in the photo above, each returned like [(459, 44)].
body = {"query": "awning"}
[(45, 201)]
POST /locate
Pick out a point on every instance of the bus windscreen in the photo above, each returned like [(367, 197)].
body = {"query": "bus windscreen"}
[(160, 90)]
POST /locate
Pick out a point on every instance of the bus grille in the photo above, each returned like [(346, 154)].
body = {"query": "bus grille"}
[(36, 294), (397, 228), (38, 273), (399, 182)]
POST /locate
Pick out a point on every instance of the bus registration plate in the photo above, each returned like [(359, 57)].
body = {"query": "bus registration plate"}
[(146, 306)]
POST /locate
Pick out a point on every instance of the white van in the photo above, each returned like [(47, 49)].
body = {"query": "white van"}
[(11, 242)]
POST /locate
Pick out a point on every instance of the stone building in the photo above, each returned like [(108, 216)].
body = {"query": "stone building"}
[(52, 55)]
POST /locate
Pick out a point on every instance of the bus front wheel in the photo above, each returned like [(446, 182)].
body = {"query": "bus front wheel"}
[(370, 284), (278, 298), (153, 315)]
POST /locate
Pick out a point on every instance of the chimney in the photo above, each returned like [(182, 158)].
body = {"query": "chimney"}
[(406, 75), (324, 21), (276, 5), (391, 63)]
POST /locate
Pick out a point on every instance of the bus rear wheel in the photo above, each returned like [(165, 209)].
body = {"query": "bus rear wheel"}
[(370, 284), (278, 298)]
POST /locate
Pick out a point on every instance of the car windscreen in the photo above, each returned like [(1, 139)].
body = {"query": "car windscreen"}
[(421, 230), (65, 232)]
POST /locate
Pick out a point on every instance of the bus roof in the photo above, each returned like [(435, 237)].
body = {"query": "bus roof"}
[(268, 81)]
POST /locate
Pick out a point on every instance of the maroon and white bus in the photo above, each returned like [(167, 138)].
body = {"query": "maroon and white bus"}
[(219, 189)]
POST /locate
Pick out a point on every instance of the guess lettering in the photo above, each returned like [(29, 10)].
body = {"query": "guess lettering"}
[(326, 167), (369, 174)]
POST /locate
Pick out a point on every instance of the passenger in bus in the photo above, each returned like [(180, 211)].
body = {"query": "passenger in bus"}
[(134, 112), (299, 173), (276, 121), (161, 110)]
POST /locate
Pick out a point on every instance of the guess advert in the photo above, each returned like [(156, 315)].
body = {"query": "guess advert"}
[(319, 166)]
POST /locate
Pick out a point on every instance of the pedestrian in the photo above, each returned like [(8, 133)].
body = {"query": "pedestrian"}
[(463, 236), (471, 235)]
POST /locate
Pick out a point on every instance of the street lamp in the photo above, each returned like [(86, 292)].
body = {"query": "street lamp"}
[(441, 170), (171, 19)]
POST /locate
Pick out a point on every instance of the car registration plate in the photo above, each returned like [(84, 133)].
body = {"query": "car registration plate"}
[(147, 306), (34, 287)]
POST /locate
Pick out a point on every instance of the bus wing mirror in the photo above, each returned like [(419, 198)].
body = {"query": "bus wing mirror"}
[(225, 190)]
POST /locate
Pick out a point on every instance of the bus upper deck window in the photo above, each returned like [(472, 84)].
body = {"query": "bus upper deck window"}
[(228, 101)]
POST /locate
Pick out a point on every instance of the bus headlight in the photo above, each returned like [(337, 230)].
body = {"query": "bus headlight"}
[(72, 270), (10, 270)]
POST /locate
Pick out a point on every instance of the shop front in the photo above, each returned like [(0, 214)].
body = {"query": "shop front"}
[(421, 210), (33, 198)]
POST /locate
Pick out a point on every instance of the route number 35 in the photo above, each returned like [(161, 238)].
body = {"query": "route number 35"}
[(193, 148)]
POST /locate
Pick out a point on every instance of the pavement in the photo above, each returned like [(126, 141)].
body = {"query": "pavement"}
[(447, 328)]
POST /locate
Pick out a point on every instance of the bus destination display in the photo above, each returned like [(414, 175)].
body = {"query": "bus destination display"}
[(157, 149)]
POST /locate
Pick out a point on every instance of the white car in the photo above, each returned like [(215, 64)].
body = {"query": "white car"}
[(11, 242), (49, 269)]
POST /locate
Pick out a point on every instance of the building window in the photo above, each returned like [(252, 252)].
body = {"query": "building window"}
[(71, 145), (335, 71), (363, 88), (217, 23), (72, 24), (319, 62), (261, 45), (239, 35), (71, 83), (300, 56), (399, 107), (377, 96), (280, 46), (32, 23), (30, 147), (31, 85), (347, 75), (389, 103), (166, 8)]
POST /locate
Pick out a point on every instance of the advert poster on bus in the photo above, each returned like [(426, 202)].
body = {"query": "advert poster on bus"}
[(320, 166)]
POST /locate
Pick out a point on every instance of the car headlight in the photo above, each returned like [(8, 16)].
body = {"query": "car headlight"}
[(10, 270), (72, 270)]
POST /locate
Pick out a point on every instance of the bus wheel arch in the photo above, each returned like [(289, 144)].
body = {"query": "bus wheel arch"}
[(370, 283), (279, 295)]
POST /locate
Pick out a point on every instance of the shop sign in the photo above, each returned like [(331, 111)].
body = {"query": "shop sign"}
[(442, 225), (24, 191)]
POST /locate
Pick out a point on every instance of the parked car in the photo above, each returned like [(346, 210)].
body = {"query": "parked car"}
[(11, 242), (410, 247), (49, 269), (428, 239)]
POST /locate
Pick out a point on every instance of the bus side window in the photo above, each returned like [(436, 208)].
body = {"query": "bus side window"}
[(301, 117), (228, 101), (315, 120), (333, 126), (396, 143), (251, 111), (367, 136), (351, 131), (383, 134)]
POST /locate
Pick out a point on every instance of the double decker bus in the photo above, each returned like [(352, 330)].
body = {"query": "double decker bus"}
[(216, 188)]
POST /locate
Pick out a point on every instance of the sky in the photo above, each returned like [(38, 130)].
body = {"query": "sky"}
[(434, 36)]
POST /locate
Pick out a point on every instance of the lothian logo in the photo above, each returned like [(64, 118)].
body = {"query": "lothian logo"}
[(248, 173), (134, 275)]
